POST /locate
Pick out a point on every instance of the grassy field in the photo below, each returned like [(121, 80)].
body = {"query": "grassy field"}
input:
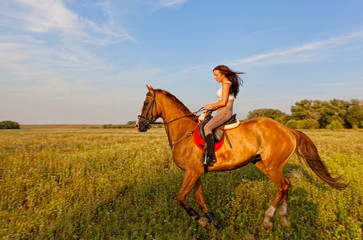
[(119, 184), (59, 126)]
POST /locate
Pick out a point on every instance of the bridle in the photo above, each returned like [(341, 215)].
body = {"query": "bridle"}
[(150, 120)]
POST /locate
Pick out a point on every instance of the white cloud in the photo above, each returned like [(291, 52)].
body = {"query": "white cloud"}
[(171, 3), (34, 60), (53, 17), (162, 4), (46, 15), (56, 17), (305, 53)]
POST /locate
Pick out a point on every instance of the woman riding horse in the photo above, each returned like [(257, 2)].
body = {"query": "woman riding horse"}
[(226, 95), (262, 141)]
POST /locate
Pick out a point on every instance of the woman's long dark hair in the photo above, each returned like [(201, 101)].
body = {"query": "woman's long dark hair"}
[(232, 76)]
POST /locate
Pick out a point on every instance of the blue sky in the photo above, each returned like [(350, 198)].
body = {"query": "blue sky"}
[(68, 61)]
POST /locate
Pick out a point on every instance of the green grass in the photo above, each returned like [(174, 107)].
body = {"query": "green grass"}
[(120, 184)]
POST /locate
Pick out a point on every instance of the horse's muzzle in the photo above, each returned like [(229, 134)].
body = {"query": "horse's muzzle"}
[(137, 125), (142, 125)]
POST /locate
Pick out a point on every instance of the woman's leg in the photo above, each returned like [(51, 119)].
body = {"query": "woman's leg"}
[(223, 115)]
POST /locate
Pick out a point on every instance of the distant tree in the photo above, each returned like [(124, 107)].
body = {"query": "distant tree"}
[(131, 123), (322, 111), (266, 112), (340, 107), (337, 112), (305, 109), (311, 114), (9, 125), (354, 118)]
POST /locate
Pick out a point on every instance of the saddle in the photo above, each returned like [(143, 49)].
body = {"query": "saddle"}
[(219, 132), (219, 135)]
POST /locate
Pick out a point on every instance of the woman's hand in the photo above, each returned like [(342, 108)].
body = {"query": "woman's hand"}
[(208, 107)]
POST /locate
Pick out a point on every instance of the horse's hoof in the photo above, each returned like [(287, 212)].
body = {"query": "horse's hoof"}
[(211, 218), (203, 222), (267, 225), (285, 222), (249, 237)]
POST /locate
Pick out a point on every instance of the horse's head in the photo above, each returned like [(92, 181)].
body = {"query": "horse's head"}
[(149, 113)]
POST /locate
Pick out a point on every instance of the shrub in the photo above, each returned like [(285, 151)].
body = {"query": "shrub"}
[(291, 124), (266, 112), (9, 125), (307, 124), (335, 124)]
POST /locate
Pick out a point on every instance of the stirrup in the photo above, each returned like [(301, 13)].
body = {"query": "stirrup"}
[(204, 160), (208, 160)]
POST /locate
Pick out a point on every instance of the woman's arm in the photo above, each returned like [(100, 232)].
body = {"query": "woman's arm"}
[(223, 101)]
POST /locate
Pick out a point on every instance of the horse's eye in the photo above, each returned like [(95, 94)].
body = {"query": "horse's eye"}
[(146, 103)]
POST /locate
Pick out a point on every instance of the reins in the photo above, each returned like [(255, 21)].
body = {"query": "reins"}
[(172, 144), (190, 114)]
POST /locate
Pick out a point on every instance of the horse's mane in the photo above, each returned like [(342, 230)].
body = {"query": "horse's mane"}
[(178, 104)]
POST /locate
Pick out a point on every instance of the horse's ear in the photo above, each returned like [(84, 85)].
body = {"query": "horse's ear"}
[(151, 90)]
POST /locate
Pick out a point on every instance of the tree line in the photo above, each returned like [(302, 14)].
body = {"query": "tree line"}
[(314, 114)]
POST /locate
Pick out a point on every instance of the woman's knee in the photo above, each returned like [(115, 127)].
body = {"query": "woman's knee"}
[(207, 130)]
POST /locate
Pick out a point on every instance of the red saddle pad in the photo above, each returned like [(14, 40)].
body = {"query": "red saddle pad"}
[(200, 142)]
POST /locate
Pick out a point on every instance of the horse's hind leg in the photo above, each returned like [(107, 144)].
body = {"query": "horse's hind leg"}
[(283, 208), (282, 190)]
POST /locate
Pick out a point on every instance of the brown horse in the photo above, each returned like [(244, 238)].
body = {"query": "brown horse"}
[(262, 141)]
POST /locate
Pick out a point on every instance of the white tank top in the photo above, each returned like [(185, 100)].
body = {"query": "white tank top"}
[(219, 93)]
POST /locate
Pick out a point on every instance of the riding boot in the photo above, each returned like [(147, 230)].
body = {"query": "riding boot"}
[(210, 149)]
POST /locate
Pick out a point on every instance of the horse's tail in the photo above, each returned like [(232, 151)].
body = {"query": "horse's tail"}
[(306, 149)]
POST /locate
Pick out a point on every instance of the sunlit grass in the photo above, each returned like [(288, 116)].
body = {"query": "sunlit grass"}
[(120, 184)]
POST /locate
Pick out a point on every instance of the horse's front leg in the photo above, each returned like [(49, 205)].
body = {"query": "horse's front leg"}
[(198, 190), (190, 179)]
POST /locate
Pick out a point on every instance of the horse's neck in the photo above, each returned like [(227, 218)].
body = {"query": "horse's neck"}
[(179, 129), (177, 121), (171, 109)]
